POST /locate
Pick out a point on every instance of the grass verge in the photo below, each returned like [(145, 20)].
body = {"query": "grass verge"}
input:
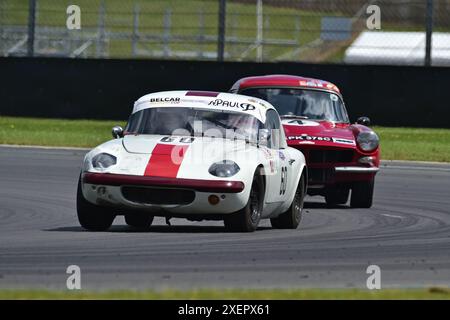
[(396, 143), (211, 294), (55, 132), (418, 144)]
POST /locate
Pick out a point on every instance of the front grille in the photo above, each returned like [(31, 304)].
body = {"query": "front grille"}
[(320, 175), (158, 196), (330, 156)]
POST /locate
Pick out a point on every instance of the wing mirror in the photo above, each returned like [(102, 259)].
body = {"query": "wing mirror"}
[(364, 121), (117, 132), (264, 137)]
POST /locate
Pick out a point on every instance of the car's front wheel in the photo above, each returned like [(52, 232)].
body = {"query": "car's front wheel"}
[(247, 219), (291, 218), (362, 194), (91, 216), (139, 220)]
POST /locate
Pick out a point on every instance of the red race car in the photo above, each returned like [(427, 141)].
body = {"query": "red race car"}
[(340, 156)]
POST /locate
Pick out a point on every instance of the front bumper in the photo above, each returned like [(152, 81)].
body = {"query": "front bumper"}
[(221, 186), (341, 174), (354, 169), (111, 190), (328, 166)]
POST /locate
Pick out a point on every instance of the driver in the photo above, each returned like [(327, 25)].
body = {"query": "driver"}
[(244, 126), (313, 109), (169, 121)]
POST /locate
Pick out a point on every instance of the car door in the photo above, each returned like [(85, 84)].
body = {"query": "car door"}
[(279, 170)]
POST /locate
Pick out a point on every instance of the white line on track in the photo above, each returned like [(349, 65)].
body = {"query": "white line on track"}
[(391, 216)]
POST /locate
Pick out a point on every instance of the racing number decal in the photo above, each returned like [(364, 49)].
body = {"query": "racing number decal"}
[(181, 140), (283, 180)]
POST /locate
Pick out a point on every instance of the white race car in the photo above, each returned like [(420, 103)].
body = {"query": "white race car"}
[(195, 155)]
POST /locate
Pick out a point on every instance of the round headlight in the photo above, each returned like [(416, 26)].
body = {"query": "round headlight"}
[(368, 140), (103, 161), (225, 168)]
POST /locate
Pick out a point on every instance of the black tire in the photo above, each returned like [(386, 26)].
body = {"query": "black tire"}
[(362, 194), (247, 219), (337, 195), (139, 220), (91, 216), (290, 219)]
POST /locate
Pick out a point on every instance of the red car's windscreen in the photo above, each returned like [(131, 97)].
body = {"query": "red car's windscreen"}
[(312, 104)]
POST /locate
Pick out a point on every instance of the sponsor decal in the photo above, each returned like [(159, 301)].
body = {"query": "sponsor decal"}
[(232, 104), (272, 166), (309, 83), (344, 141), (165, 99), (332, 87), (258, 102), (318, 84), (281, 155), (198, 101), (266, 152)]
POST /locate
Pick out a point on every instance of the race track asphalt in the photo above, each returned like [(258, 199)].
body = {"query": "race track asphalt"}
[(406, 233)]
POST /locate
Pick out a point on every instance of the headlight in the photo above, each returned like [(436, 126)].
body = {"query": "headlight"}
[(103, 161), (368, 140), (225, 168)]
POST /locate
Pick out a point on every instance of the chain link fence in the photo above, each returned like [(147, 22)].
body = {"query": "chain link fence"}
[(319, 31)]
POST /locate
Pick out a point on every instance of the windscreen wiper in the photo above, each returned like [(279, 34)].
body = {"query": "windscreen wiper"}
[(293, 116)]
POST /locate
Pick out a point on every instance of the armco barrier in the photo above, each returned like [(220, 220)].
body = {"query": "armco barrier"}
[(106, 89)]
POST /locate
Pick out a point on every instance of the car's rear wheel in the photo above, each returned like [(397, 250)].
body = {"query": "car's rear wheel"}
[(139, 220), (92, 217), (247, 219), (337, 195), (290, 219), (362, 194)]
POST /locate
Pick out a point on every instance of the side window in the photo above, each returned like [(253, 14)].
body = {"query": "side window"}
[(134, 122), (273, 124)]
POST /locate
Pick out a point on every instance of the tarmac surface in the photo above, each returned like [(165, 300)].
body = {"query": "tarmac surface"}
[(406, 233)]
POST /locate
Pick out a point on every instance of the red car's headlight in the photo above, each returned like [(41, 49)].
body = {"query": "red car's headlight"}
[(368, 141)]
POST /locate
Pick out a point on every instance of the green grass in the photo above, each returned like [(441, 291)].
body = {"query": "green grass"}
[(55, 132), (211, 294), (396, 143), (414, 144)]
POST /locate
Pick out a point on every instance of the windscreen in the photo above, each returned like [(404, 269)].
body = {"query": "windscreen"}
[(194, 122), (311, 104)]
